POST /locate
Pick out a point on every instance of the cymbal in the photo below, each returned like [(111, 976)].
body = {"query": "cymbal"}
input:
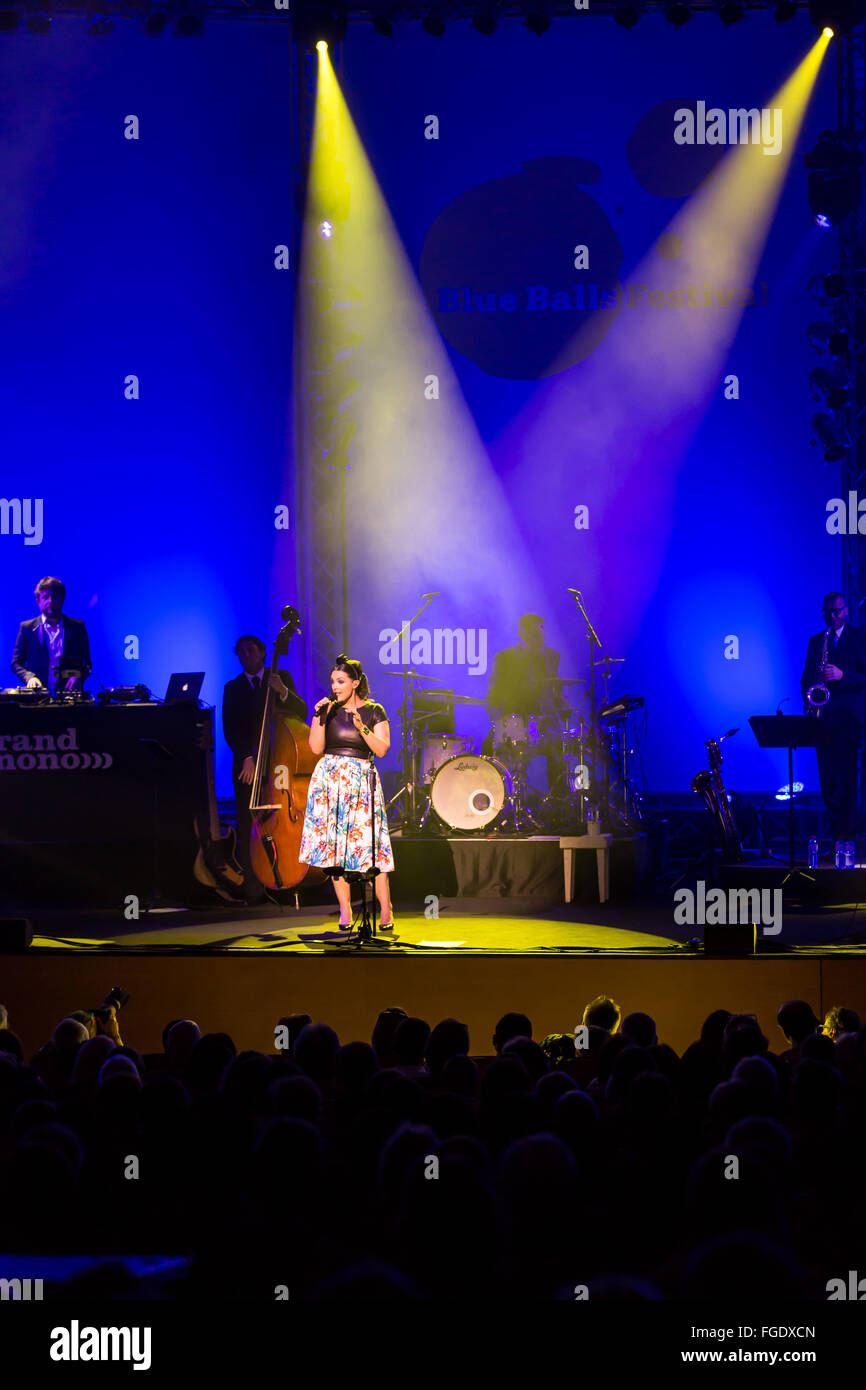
[(561, 680), (413, 675), (467, 700), (608, 660)]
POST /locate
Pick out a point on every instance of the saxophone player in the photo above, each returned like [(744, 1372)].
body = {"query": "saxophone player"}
[(833, 684)]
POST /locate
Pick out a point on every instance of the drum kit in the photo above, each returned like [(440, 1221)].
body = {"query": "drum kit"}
[(449, 787)]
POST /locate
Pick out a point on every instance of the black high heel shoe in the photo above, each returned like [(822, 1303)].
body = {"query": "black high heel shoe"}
[(387, 926)]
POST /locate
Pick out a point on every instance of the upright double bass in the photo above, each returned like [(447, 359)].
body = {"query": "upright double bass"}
[(278, 796)]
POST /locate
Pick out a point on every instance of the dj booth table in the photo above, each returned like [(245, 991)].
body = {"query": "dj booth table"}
[(98, 801)]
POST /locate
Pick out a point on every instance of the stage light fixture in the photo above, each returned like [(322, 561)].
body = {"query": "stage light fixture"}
[(833, 18), (9, 20), (678, 14), (319, 21), (834, 180), (155, 23), (834, 285), (433, 26), (38, 23), (731, 13), (383, 26), (189, 26), (626, 16), (825, 288), (833, 390), (785, 10), (537, 22), (833, 195), (832, 440), (321, 46), (327, 230), (826, 337), (485, 24)]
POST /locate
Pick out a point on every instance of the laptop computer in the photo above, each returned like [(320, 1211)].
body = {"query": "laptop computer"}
[(184, 687)]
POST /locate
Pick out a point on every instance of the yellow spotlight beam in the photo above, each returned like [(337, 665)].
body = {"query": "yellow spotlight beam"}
[(422, 498), (627, 414), (723, 229)]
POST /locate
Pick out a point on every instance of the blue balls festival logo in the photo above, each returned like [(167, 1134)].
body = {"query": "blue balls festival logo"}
[(502, 269)]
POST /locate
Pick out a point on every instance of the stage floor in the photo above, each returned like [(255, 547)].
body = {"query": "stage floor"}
[(240, 971), (463, 927)]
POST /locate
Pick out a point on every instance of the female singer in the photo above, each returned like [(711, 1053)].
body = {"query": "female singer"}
[(350, 730)]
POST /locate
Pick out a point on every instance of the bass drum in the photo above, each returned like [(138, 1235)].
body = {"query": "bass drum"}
[(470, 793)]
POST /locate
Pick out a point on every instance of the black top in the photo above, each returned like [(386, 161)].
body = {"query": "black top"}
[(341, 736)]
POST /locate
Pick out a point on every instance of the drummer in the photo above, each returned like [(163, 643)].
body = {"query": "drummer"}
[(523, 681)]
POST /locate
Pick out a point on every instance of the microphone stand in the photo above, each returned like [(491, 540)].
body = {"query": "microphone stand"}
[(367, 935), (410, 811), (594, 641)]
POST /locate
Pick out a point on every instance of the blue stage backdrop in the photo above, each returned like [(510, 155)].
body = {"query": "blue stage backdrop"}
[(146, 363), (146, 340)]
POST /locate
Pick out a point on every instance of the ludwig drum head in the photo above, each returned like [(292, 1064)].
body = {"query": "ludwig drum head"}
[(469, 792)]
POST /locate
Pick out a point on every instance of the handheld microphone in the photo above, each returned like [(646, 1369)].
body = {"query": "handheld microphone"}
[(326, 709)]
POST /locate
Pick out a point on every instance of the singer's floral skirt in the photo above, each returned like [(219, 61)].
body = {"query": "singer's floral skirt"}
[(337, 824)]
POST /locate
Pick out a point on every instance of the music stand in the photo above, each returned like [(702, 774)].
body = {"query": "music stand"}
[(787, 731)]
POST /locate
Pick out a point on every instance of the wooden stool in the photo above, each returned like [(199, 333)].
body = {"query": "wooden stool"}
[(601, 844)]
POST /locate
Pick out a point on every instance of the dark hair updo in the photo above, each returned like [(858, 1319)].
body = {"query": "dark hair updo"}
[(355, 672)]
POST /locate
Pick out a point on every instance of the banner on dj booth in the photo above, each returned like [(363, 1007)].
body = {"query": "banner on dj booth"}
[(99, 802)]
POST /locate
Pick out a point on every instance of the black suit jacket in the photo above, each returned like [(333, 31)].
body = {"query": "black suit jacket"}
[(512, 690), (242, 713), (850, 657), (32, 653)]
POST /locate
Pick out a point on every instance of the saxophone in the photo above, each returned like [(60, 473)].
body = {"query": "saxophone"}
[(818, 695), (711, 788)]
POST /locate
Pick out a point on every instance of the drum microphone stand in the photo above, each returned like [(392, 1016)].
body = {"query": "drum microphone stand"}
[(407, 791)]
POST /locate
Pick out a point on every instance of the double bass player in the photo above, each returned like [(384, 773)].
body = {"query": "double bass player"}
[(243, 706)]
